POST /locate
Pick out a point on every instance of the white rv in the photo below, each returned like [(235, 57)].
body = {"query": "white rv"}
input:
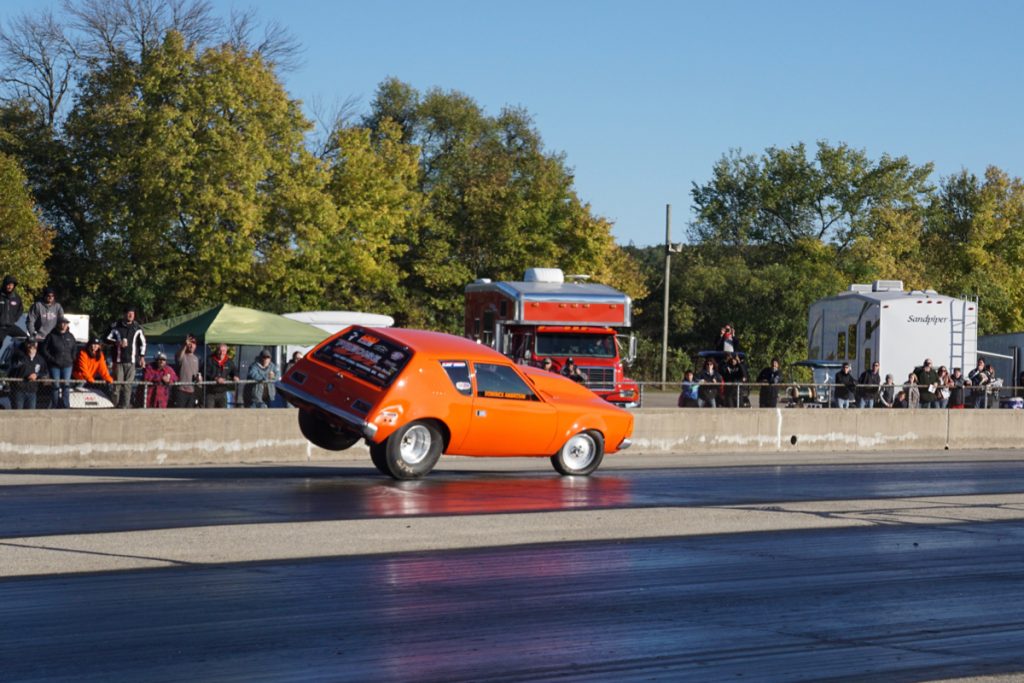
[(897, 328)]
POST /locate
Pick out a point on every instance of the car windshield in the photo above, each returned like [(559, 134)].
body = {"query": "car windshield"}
[(570, 344), (366, 355)]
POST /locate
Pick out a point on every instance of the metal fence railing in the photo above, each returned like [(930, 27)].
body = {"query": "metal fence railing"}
[(20, 394), (826, 395)]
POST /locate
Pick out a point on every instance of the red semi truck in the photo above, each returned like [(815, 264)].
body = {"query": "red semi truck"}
[(546, 317)]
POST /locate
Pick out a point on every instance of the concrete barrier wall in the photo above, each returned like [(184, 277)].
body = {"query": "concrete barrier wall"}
[(118, 438)]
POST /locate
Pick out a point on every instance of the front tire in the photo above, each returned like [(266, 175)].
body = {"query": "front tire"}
[(321, 433), (581, 454), (413, 450)]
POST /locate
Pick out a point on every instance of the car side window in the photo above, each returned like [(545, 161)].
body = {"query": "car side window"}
[(458, 373), (501, 381)]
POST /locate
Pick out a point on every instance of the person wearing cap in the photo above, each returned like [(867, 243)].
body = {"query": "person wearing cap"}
[(573, 372), (262, 375), (846, 387), (59, 350), (44, 314), (159, 378), (129, 353), (186, 391), (11, 309), (91, 364), (28, 366)]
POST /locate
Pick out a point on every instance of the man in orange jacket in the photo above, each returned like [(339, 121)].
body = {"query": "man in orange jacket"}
[(91, 364)]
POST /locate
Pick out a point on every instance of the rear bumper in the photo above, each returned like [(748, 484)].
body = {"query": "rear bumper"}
[(301, 399)]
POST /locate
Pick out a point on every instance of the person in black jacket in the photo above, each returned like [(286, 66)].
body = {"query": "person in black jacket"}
[(870, 382), (222, 373), (768, 396), (710, 382), (845, 387), (734, 374), (59, 350), (11, 309), (28, 366)]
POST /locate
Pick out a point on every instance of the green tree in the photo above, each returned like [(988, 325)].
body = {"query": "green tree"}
[(24, 241), (974, 244), (198, 185)]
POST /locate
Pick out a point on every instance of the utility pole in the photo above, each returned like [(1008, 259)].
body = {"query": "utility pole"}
[(669, 250)]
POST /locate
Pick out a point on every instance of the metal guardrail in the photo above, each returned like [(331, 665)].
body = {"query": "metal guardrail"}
[(823, 395), (49, 393)]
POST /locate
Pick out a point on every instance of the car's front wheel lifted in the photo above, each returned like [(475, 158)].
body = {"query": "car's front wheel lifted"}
[(323, 434), (581, 454), (413, 450)]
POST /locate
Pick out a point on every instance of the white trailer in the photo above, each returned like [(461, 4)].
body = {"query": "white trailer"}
[(897, 328)]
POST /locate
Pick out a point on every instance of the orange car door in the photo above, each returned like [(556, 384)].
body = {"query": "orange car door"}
[(508, 417)]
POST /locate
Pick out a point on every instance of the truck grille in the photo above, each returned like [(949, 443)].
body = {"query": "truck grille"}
[(599, 378)]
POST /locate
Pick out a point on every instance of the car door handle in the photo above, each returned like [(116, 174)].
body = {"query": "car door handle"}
[(481, 413)]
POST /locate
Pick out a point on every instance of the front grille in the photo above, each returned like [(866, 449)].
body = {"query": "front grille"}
[(599, 378)]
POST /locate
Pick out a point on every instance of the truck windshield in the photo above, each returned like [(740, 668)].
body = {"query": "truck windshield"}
[(569, 344)]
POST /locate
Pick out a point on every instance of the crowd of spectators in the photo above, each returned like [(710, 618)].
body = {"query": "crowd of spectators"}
[(721, 378), (47, 357)]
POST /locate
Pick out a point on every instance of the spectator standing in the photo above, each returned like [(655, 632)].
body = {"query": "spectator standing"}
[(887, 393), (129, 353), (978, 378), (846, 387), (91, 364), (944, 387), (185, 393), (995, 383), (956, 390), (928, 381), (573, 372), (44, 314), (901, 400), (733, 375), (159, 377), (869, 385), (58, 350), (262, 375), (912, 392), (29, 367), (768, 396), (298, 354), (688, 392), (710, 382), (11, 309), (728, 342), (221, 372)]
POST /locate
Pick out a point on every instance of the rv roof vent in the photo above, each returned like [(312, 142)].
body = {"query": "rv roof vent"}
[(887, 286), (482, 281), (931, 292), (544, 275), (859, 288)]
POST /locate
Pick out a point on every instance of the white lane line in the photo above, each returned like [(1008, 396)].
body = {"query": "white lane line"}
[(49, 555)]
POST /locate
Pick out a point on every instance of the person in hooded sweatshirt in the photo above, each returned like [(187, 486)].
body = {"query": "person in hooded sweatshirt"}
[(44, 314), (11, 309), (59, 349), (29, 366), (91, 365)]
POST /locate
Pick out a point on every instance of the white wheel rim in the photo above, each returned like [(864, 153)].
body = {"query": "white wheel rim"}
[(415, 444), (579, 451)]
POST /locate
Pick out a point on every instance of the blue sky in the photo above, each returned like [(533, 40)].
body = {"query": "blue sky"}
[(644, 97)]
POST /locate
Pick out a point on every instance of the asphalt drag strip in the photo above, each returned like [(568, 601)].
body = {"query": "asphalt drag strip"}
[(241, 543)]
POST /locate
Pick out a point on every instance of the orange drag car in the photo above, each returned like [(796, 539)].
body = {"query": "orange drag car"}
[(414, 394)]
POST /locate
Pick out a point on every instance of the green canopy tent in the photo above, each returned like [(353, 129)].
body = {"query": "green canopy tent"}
[(227, 324)]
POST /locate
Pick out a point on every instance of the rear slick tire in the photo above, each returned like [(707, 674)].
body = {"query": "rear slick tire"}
[(413, 450), (322, 434), (580, 455)]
